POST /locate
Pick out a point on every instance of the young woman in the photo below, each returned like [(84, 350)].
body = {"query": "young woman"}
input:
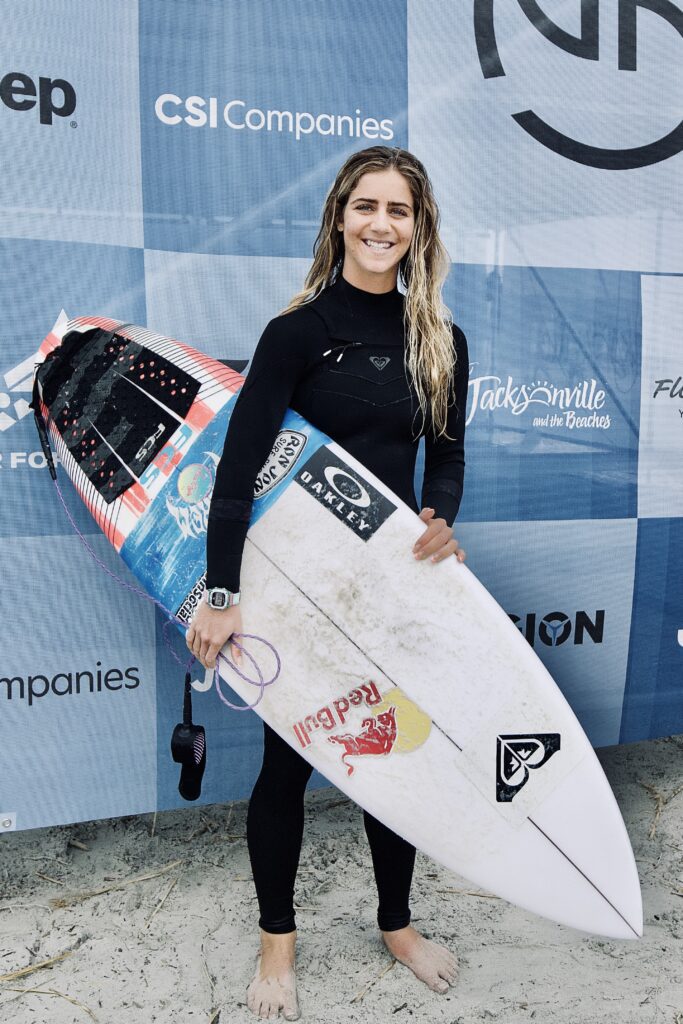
[(374, 370)]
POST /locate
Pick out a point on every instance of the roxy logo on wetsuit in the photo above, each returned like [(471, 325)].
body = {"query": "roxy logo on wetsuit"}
[(345, 493)]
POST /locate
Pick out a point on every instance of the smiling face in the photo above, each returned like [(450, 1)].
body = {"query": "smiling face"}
[(378, 223)]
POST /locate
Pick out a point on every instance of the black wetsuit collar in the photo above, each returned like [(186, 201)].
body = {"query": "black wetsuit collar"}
[(352, 314)]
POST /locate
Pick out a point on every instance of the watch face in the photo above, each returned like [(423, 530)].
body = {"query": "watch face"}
[(218, 600)]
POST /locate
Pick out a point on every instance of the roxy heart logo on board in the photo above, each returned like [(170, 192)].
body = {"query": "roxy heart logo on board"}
[(516, 754), (349, 497), (584, 47)]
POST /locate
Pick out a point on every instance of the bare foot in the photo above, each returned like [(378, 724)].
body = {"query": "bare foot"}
[(430, 962), (273, 987)]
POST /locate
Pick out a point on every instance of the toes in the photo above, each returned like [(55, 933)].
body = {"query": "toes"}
[(440, 986), (290, 1006), (264, 1010), (448, 968)]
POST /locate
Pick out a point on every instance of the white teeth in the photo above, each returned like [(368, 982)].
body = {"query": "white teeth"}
[(376, 245)]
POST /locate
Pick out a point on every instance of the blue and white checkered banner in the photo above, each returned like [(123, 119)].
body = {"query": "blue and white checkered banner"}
[(166, 164)]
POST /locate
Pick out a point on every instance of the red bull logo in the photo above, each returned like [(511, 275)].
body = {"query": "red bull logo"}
[(395, 726), (329, 718), (378, 737)]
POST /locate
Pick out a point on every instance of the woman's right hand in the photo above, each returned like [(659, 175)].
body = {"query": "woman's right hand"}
[(209, 629)]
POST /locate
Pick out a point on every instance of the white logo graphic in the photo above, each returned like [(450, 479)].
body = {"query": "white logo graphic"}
[(679, 637), (199, 112), (147, 446), (18, 381), (574, 406), (191, 602), (362, 499)]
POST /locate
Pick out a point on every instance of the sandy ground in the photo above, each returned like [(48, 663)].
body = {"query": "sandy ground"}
[(179, 945)]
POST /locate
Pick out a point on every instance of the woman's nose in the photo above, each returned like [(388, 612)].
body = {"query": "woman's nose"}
[(380, 220)]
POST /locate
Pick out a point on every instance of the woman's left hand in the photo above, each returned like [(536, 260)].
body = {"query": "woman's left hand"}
[(437, 541)]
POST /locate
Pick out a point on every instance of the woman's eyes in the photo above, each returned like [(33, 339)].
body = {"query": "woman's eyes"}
[(394, 209)]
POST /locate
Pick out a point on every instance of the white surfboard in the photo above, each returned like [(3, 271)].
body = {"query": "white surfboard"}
[(402, 681)]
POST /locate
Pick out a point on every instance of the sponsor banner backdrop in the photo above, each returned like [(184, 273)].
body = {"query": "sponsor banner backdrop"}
[(71, 121), (554, 391), (653, 701), (553, 135), (660, 485), (77, 686), (220, 304), (166, 164), (559, 583), (244, 123)]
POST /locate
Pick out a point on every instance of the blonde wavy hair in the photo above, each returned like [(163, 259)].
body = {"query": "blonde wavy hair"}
[(429, 356)]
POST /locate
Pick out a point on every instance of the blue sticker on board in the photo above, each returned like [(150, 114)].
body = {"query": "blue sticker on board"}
[(167, 548)]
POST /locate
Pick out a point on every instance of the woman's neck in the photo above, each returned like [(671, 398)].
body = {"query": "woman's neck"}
[(375, 284), (360, 300)]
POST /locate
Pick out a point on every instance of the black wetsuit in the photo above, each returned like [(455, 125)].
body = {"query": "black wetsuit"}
[(339, 362)]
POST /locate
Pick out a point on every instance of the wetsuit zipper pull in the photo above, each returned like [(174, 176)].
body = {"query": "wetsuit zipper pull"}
[(351, 344)]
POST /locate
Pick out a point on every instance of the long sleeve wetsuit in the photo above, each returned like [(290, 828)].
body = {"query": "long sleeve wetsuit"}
[(339, 362)]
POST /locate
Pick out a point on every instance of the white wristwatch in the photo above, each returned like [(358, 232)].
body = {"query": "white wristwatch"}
[(219, 597)]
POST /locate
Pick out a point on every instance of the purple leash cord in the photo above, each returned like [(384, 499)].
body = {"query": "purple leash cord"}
[(171, 617)]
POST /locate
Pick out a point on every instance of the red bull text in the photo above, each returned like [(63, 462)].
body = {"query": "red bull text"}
[(331, 717)]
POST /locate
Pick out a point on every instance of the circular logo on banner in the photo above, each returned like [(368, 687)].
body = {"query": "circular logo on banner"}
[(586, 46), (555, 628)]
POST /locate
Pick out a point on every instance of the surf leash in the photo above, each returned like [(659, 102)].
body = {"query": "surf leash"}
[(188, 748), (188, 744)]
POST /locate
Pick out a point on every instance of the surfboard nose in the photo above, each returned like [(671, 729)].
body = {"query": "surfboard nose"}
[(546, 873), (581, 832), (600, 897)]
